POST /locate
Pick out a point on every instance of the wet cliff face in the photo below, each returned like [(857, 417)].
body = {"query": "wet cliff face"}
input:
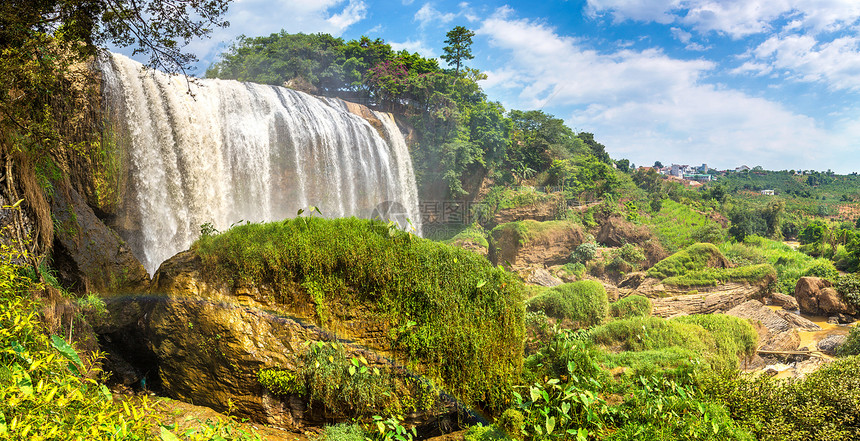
[(89, 256)]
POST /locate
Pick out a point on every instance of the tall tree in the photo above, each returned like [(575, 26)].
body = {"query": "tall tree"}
[(459, 47)]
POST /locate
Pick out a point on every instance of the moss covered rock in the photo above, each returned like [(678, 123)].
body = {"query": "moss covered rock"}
[(530, 242), (435, 311), (582, 303)]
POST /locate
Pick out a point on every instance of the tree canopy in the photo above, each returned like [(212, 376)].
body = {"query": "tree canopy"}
[(459, 47), (458, 130)]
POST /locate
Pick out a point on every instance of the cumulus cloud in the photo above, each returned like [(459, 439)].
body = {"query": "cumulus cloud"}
[(354, 12), (645, 104), (736, 18), (834, 63), (428, 15), (413, 46)]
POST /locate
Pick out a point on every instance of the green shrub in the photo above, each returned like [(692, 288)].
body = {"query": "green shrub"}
[(346, 385), (485, 433), (718, 339), (572, 270), (717, 276), (511, 422), (671, 362), (567, 354), (528, 231), (734, 337), (342, 432), (584, 252), (821, 406), (851, 345), (823, 269), (790, 264), (743, 254), (281, 381), (679, 418), (678, 225), (453, 314), (696, 257), (473, 233), (848, 286), (583, 302), (648, 333), (631, 306), (629, 253)]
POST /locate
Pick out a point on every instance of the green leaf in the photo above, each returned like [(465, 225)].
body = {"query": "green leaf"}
[(25, 384), (481, 284), (550, 425), (565, 407), (535, 393), (105, 392), (352, 370), (582, 434), (64, 348), (22, 353), (381, 426), (167, 435)]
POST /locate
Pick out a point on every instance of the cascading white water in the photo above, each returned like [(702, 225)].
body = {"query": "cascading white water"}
[(236, 152)]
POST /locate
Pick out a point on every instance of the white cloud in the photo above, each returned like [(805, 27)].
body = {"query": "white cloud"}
[(429, 15), (413, 46), (736, 18), (835, 63), (682, 35), (660, 11), (698, 47), (753, 68), (375, 30), (645, 105), (354, 12)]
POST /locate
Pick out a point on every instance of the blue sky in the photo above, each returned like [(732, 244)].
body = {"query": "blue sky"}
[(724, 82)]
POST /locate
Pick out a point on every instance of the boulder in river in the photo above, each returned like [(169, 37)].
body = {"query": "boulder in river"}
[(816, 296)]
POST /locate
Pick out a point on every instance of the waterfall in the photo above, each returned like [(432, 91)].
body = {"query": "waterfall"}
[(240, 152)]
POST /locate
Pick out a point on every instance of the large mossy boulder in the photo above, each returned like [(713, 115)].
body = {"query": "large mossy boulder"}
[(435, 312), (529, 242)]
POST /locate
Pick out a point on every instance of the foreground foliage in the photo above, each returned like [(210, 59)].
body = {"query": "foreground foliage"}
[(48, 392)]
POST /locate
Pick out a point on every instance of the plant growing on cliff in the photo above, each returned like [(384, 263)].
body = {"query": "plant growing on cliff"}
[(346, 386)]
